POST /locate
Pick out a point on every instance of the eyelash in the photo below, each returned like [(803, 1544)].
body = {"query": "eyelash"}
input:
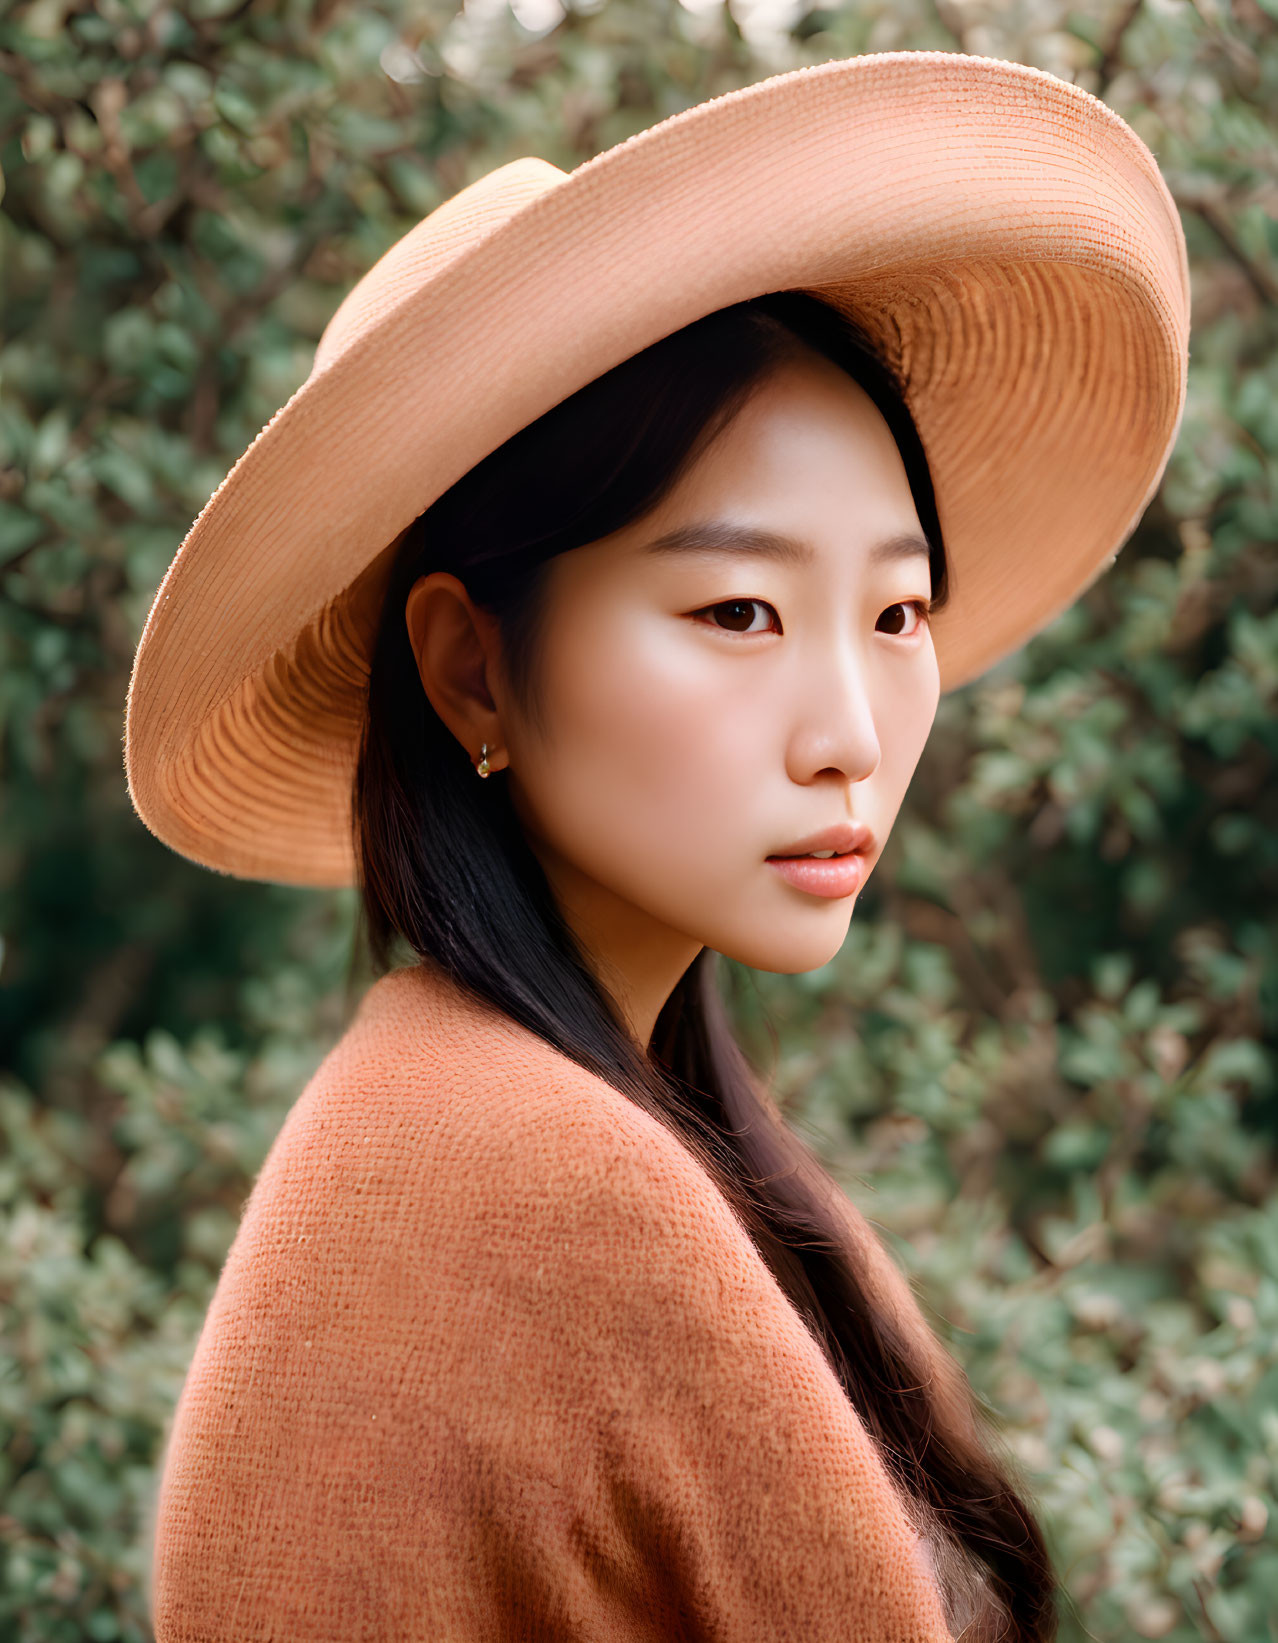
[(923, 606)]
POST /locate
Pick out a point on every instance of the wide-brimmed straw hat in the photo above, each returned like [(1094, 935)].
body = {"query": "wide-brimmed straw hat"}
[(1004, 236)]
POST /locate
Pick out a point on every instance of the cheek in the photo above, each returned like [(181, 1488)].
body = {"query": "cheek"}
[(648, 755)]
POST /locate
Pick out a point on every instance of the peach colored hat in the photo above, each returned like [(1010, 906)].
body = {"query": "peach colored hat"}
[(1003, 234)]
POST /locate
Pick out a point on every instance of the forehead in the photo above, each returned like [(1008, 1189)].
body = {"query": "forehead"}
[(807, 467)]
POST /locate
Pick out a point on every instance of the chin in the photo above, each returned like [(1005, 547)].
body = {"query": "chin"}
[(790, 952)]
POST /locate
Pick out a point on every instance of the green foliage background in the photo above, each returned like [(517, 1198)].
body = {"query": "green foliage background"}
[(1043, 1061)]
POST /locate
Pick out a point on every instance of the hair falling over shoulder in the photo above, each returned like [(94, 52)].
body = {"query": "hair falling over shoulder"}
[(445, 866)]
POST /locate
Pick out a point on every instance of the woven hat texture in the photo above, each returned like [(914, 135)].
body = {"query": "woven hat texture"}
[(1005, 237)]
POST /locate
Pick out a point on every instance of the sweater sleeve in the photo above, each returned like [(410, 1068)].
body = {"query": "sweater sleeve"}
[(501, 1364)]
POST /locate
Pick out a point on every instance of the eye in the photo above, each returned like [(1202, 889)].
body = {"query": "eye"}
[(897, 617), (735, 615)]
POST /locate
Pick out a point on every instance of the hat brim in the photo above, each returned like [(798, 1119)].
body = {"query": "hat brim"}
[(1005, 236)]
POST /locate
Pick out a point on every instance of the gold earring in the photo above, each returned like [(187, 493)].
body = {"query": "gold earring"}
[(483, 768)]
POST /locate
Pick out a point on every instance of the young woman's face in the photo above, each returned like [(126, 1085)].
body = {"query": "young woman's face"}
[(711, 703)]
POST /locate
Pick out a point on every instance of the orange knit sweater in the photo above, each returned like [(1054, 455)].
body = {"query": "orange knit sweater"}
[(491, 1360)]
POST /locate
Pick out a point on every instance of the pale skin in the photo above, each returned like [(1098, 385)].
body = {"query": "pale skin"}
[(707, 706)]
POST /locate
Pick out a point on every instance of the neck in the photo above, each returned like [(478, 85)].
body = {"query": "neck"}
[(637, 959)]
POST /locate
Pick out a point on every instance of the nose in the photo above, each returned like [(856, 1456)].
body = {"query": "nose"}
[(834, 731)]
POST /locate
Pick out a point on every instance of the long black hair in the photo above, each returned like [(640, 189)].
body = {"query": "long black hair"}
[(445, 866)]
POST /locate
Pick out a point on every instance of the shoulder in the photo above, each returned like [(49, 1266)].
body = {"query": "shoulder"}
[(455, 1189), (436, 1117)]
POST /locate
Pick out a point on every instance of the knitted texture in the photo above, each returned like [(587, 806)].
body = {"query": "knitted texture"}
[(491, 1358)]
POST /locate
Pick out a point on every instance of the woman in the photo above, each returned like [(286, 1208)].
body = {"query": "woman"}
[(539, 1322)]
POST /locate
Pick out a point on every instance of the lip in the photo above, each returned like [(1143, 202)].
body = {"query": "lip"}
[(846, 837), (838, 876)]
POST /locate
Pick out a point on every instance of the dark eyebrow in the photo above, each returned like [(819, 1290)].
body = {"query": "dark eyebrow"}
[(721, 536)]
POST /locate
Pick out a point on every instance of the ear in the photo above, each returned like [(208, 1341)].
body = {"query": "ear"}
[(457, 651)]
